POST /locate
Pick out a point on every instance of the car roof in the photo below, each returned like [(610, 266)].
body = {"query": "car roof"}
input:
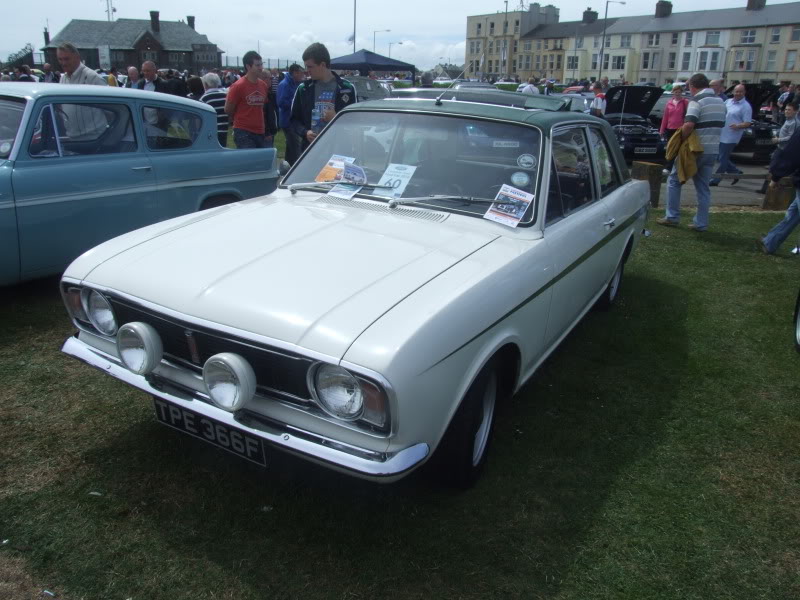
[(32, 91), (483, 96), (545, 119)]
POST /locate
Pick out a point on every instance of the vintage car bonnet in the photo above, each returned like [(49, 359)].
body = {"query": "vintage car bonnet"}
[(632, 99)]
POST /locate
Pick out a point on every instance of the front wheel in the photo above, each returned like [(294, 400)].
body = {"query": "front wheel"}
[(463, 450), (612, 289)]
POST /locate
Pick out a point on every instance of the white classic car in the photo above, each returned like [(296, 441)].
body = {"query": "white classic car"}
[(373, 325)]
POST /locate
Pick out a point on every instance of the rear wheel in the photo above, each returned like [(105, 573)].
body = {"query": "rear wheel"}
[(463, 450), (612, 289)]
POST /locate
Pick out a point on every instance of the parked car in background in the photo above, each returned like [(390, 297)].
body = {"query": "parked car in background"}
[(374, 327), (484, 96), (657, 112), (627, 110), (576, 102), (367, 88), (757, 139), (81, 164)]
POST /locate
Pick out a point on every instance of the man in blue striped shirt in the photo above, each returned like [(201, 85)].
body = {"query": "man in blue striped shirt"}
[(706, 116)]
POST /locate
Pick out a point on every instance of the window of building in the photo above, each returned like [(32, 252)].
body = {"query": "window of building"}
[(796, 33), (528, 62), (775, 35), (686, 61), (702, 61), (712, 38), (653, 39), (526, 46), (478, 29), (538, 62), (572, 62), (605, 62), (491, 28), (516, 26), (76, 129), (791, 60), (671, 58), (594, 62), (547, 44), (516, 46), (489, 66), (514, 65), (608, 41), (551, 61), (505, 27), (771, 60), (689, 39), (674, 40), (150, 55), (490, 47), (478, 47), (625, 41), (559, 62), (175, 57), (596, 42), (560, 43), (744, 60), (748, 36), (472, 47), (618, 63), (645, 60), (579, 42), (713, 61), (538, 44)]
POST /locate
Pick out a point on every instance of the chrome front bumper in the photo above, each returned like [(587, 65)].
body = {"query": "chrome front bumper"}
[(361, 462)]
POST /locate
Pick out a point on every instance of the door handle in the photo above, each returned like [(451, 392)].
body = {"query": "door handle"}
[(141, 168), (610, 223)]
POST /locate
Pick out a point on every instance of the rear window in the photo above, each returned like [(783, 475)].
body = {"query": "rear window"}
[(170, 129)]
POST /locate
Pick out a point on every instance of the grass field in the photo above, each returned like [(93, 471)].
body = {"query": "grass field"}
[(654, 455)]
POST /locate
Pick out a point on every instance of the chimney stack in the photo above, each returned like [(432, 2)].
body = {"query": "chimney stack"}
[(756, 4), (154, 23), (663, 9), (46, 37), (589, 15), (190, 21)]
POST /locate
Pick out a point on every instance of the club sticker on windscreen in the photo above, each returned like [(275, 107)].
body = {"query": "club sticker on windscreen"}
[(395, 178), (509, 206), (344, 190), (334, 168), (353, 174), (505, 144), (526, 161)]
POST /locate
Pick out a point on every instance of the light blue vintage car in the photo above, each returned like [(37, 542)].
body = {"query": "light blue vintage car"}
[(81, 164)]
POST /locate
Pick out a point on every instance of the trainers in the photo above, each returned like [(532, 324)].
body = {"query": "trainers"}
[(735, 181), (713, 183), (694, 227), (665, 171), (666, 222)]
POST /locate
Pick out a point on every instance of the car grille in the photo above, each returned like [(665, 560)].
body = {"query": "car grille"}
[(276, 370)]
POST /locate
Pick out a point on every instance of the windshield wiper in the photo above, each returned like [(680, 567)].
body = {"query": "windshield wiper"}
[(329, 184), (468, 199)]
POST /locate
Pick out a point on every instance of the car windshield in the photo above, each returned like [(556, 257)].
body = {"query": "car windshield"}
[(10, 118), (447, 162)]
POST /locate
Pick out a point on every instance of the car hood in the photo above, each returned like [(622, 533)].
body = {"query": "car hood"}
[(635, 99), (303, 271)]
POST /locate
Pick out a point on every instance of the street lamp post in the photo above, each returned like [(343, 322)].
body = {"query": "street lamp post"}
[(390, 47), (603, 43), (373, 36)]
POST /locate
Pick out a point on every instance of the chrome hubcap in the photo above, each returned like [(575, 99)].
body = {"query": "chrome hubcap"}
[(487, 414)]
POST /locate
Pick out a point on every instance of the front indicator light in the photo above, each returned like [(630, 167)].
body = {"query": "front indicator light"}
[(139, 347), (230, 380)]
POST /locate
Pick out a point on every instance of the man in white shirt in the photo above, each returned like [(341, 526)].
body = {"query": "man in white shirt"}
[(74, 70), (531, 87), (738, 118), (598, 108)]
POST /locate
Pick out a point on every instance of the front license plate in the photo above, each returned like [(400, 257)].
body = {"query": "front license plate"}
[(233, 440), (763, 142), (644, 150)]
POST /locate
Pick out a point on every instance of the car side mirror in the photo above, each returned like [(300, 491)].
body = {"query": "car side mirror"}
[(283, 168)]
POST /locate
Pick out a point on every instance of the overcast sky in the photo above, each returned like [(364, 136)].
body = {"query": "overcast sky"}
[(427, 29)]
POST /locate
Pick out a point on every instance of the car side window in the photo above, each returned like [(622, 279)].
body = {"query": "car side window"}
[(555, 210), (607, 174), (170, 129), (70, 129), (573, 168)]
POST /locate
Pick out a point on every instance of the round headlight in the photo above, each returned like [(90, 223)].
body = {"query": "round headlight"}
[(230, 380), (100, 313), (139, 347), (338, 392)]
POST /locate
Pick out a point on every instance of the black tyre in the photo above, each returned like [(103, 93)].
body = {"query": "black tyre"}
[(462, 453), (797, 324), (612, 289)]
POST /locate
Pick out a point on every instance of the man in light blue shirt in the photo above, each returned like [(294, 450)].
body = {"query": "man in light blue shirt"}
[(738, 118)]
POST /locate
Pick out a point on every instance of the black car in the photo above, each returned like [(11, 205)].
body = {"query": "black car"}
[(757, 140), (627, 109)]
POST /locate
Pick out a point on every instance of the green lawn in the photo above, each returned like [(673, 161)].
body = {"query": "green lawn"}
[(654, 455)]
